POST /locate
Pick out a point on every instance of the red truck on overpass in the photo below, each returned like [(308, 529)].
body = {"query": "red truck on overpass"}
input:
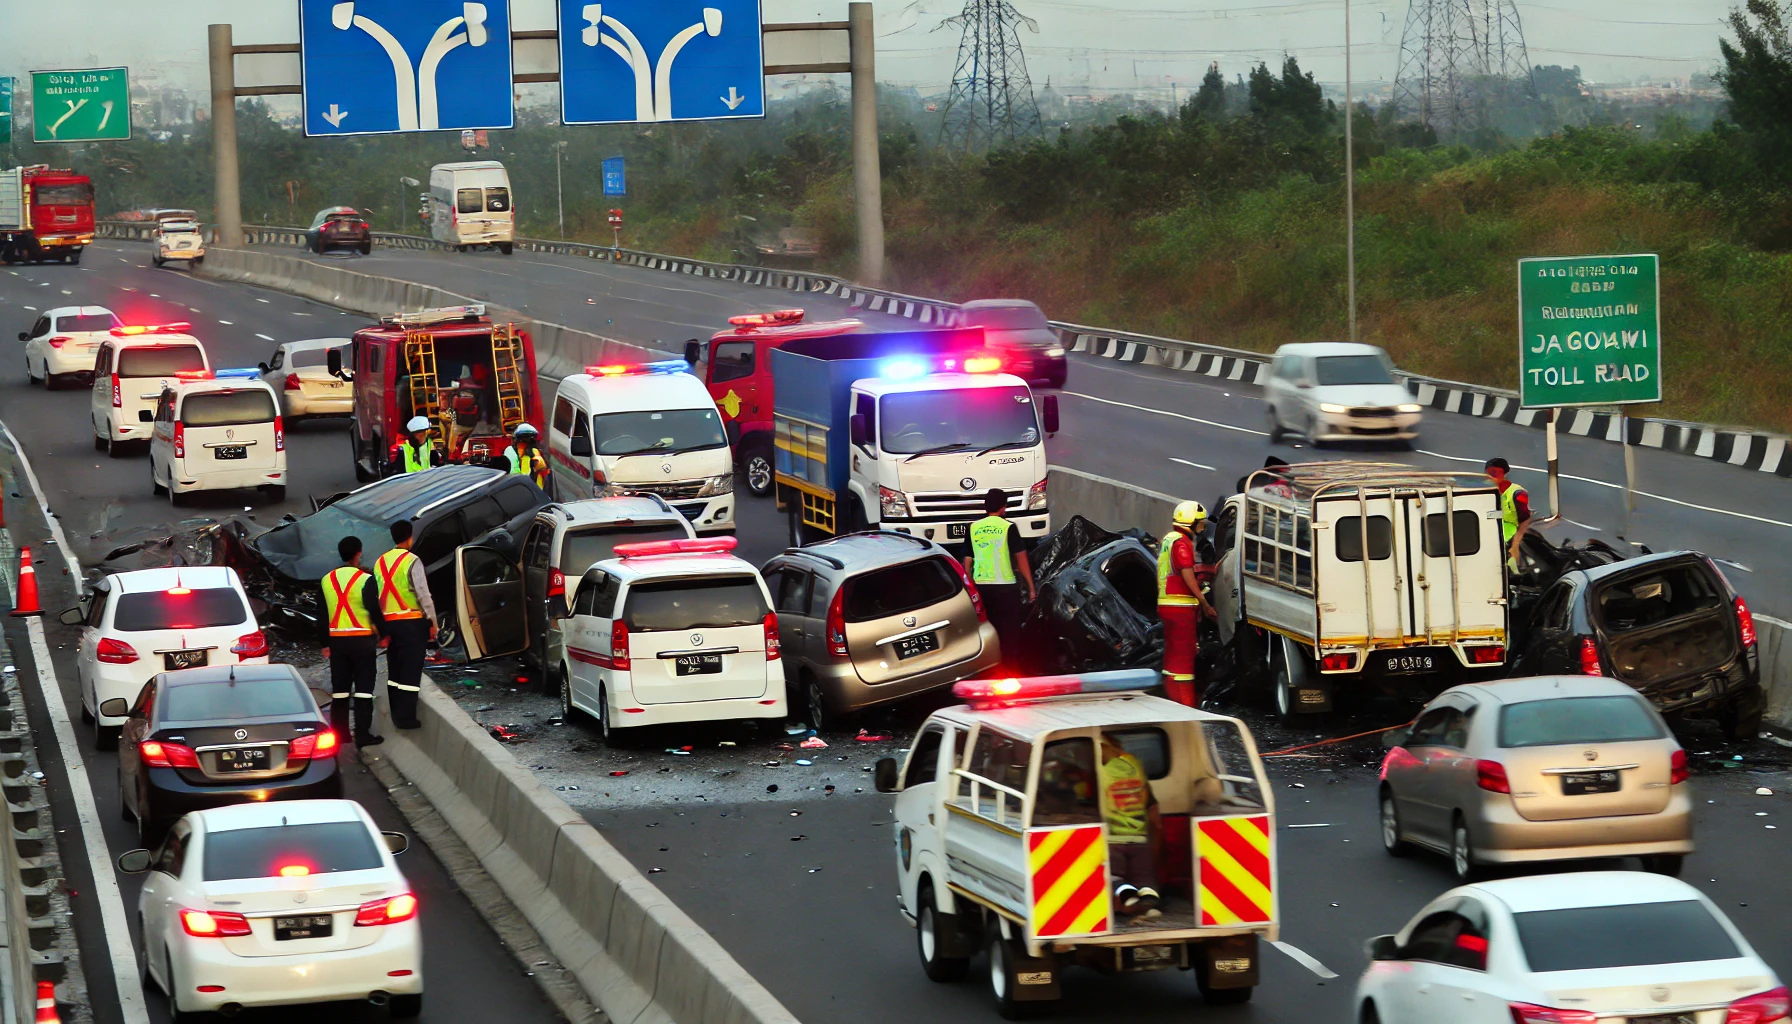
[(45, 215)]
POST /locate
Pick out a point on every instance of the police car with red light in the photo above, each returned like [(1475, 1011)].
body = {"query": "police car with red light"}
[(217, 431), (134, 366), (1073, 820)]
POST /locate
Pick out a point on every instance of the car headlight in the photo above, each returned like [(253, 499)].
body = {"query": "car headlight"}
[(1054, 353), (894, 504), (715, 485), (1036, 495), (1409, 407), (1333, 409)]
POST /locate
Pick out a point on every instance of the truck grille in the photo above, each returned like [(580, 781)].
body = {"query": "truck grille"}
[(670, 492), (955, 506)]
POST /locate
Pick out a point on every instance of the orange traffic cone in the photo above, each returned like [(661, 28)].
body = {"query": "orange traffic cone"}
[(27, 603), (46, 1003)]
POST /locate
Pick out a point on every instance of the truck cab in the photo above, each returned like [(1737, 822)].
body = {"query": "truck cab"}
[(46, 214), (1007, 837)]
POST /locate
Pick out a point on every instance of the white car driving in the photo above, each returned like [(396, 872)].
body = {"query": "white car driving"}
[(136, 624), (63, 343), (279, 904), (1593, 947), (1338, 391), (180, 240), (134, 366)]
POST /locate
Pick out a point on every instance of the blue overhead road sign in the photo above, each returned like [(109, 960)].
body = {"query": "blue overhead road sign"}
[(660, 60), (373, 66), (615, 177)]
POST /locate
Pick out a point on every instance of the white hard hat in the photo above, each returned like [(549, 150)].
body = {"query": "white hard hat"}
[(524, 428), (417, 423)]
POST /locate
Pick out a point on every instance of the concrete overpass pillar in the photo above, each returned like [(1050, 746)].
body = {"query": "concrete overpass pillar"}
[(867, 175), (227, 198)]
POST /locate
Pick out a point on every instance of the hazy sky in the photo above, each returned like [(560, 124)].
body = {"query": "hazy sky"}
[(1114, 43)]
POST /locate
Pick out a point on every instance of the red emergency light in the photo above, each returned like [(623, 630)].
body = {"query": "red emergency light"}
[(698, 546), (981, 692), (775, 318), (179, 327), (626, 369), (194, 374)]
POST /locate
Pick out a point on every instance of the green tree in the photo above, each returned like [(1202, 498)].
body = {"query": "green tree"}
[(1757, 75), (1209, 102)]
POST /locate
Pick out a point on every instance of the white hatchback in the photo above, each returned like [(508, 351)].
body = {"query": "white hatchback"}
[(63, 343), (1594, 947), (279, 904), (136, 624), (215, 433)]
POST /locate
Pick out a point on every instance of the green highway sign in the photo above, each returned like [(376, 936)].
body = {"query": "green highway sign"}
[(1589, 330), (80, 106), (5, 110)]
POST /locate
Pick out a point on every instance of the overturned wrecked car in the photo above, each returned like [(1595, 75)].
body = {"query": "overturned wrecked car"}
[(1097, 603), (448, 507)]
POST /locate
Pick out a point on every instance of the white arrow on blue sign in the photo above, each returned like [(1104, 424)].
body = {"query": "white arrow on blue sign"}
[(660, 60), (377, 66)]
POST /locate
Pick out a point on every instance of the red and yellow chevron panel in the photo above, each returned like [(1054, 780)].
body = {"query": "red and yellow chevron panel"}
[(1234, 871), (1067, 881)]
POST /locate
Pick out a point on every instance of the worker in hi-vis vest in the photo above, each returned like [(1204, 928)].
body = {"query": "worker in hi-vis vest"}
[(415, 453), (352, 608), (1179, 601), (998, 566), (1515, 509), (410, 614)]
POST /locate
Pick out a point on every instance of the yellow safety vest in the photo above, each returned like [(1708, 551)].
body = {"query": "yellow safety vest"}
[(1125, 797), (1509, 520), (991, 561), (346, 604), (398, 599), (1164, 572), (531, 465), (417, 459)]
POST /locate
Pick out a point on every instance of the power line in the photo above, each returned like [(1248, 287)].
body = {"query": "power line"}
[(992, 98)]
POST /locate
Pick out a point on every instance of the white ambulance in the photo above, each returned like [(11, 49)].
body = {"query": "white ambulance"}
[(134, 366), (217, 432), (648, 428)]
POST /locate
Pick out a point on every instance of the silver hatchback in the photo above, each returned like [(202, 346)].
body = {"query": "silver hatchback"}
[(1542, 769)]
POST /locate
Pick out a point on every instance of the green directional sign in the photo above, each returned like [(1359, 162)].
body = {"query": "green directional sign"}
[(5, 111), (80, 106), (1589, 330)]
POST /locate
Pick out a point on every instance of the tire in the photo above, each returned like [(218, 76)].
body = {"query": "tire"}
[(198, 261), (942, 969), (74, 258), (1740, 716), (815, 706), (405, 1007), (99, 443), (1462, 852), (114, 449), (175, 1013), (149, 827), (756, 466), (158, 261), (367, 250), (1393, 838), (506, 247), (176, 498), (50, 381), (1275, 427), (1002, 980), (568, 713), (610, 736), (1312, 433), (86, 715), (156, 490), (1668, 864)]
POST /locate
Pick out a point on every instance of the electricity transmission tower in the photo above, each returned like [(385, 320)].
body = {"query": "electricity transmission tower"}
[(991, 100), (1458, 58)]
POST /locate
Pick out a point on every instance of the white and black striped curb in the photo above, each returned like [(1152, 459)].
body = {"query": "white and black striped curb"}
[(1206, 360)]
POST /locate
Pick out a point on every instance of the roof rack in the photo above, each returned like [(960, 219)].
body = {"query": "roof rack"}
[(1305, 481)]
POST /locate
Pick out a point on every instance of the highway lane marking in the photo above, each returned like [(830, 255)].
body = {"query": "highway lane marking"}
[(65, 291), (227, 323), (259, 299), (264, 337), (1619, 487), (32, 308), (1162, 412), (1305, 959), (295, 312), (112, 914), (1197, 465)]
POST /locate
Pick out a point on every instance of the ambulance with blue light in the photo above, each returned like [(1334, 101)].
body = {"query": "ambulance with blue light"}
[(905, 431), (643, 428), (1031, 820), (216, 431)]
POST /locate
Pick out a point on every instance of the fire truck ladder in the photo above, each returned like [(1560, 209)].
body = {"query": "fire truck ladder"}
[(420, 363), (508, 369)]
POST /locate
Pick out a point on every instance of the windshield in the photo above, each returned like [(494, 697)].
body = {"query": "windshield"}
[(711, 602), (196, 609), (1577, 720), (1010, 318), (1633, 935), (232, 701), (162, 361), (227, 408), (665, 432), (585, 548), (179, 227), (87, 322), (73, 194), (320, 848), (967, 419), (1364, 369)]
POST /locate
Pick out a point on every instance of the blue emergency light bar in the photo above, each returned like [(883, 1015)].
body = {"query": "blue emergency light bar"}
[(997, 691), (635, 369), (244, 372), (910, 367)]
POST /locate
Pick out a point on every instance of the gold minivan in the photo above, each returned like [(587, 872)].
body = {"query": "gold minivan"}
[(869, 618)]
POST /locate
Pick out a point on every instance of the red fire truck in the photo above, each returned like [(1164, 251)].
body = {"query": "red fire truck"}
[(738, 373), (472, 379), (45, 215)]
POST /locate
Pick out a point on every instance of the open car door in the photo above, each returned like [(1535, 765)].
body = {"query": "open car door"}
[(488, 602)]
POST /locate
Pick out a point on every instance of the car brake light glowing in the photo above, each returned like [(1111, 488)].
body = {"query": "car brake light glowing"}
[(982, 364), (1761, 1008), (213, 924), (115, 652), (294, 871), (1491, 776), (1589, 657), (781, 316), (1746, 620), (556, 583), (60, 340), (1678, 772), (996, 691), (180, 440), (647, 548), (279, 433), (292, 382), (117, 398), (317, 746), (251, 645), (1525, 1013), (971, 589), (161, 754), (619, 646), (836, 624), (391, 910), (773, 648), (1486, 654)]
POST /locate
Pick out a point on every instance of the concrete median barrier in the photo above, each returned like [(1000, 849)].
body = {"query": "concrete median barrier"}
[(1775, 637), (636, 954), (1109, 504)]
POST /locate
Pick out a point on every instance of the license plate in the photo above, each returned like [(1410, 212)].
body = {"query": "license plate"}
[(315, 926), (1665, 1018), (1582, 783), (1398, 663), (1153, 954), (174, 661), (909, 646), (230, 451), (243, 759), (958, 531), (698, 664)]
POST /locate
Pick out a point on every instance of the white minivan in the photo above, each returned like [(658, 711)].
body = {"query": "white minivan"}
[(215, 433), (643, 429), (134, 366), (469, 204)]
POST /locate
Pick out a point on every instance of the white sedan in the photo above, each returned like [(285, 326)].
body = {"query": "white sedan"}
[(63, 343), (278, 904), (299, 373), (1595, 947)]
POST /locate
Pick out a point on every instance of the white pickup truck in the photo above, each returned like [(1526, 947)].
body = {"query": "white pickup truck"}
[(1335, 574)]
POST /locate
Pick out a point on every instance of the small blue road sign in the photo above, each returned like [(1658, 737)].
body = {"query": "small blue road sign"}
[(615, 177), (660, 60), (375, 66)]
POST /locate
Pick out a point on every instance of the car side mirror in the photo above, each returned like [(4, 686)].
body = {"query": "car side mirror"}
[(860, 431), (24, 335), (333, 358), (693, 352), (322, 697), (135, 862), (265, 368), (1395, 737), (1382, 947), (396, 842), (580, 447), (1051, 414), (72, 617), (885, 775), (115, 707)]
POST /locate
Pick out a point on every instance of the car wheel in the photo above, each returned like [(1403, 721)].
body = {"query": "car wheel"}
[(816, 705), (1275, 426), (1462, 852), (157, 260), (86, 715), (1002, 980), (1392, 839), (124, 803), (936, 967), (406, 1006), (146, 978), (114, 447), (155, 486), (50, 381), (757, 465), (175, 498), (149, 828), (1312, 432), (30, 378), (1668, 864), (99, 443), (1740, 716), (366, 250), (603, 718), (568, 713), (354, 444), (505, 247)]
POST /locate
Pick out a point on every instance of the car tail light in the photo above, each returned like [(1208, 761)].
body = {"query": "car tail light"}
[(292, 382), (556, 583), (213, 924), (117, 396), (180, 440), (1486, 654), (971, 589), (1491, 776), (1589, 657), (1677, 770), (1525, 1013), (1342, 661), (115, 652), (1746, 620), (391, 910), (279, 434), (60, 340), (158, 754), (251, 645), (619, 646), (836, 625), (317, 746), (773, 648), (1760, 1008)]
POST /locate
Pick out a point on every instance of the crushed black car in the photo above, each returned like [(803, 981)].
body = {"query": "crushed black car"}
[(1097, 603)]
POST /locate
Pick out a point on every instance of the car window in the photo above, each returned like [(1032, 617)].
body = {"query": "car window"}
[(1450, 938), (234, 700), (1000, 759), (581, 549), (483, 515), (1225, 530), (731, 360), (1230, 760), (1437, 534), (228, 408), (165, 407), (469, 200), (669, 431), (483, 567), (821, 595), (102, 365), (320, 848), (376, 359), (896, 589), (563, 416), (1556, 603), (1069, 785), (440, 538), (517, 498), (710, 602), (278, 360), (536, 549), (1635, 602), (41, 327), (793, 591), (173, 854), (198, 608), (1359, 369), (497, 200), (603, 600), (87, 322), (1578, 720), (924, 760), (866, 406), (96, 608), (1349, 532), (160, 361), (1428, 730), (1150, 745), (1632, 935), (581, 427), (1455, 734)]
